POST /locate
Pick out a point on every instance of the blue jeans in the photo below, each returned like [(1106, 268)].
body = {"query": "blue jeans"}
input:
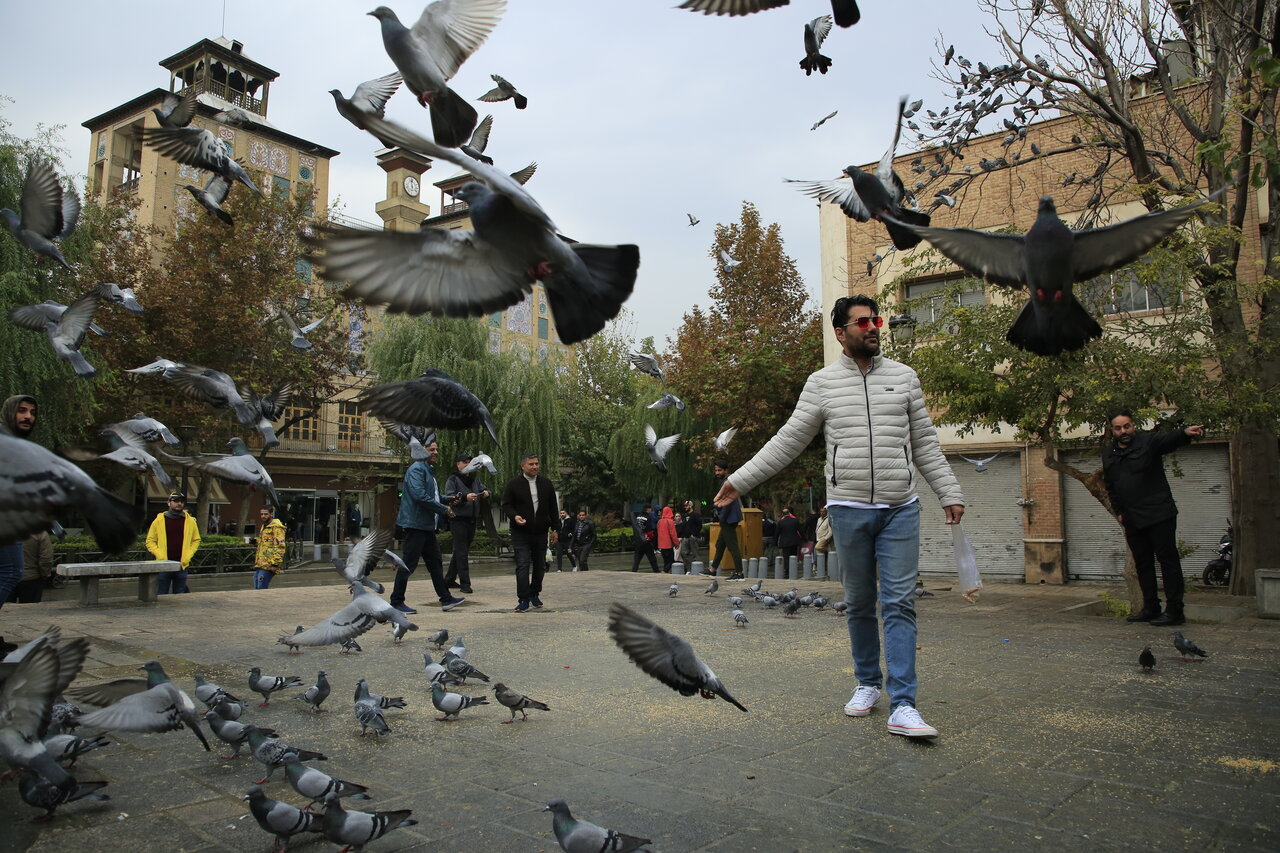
[(262, 578), (883, 542), (11, 568), (167, 582)]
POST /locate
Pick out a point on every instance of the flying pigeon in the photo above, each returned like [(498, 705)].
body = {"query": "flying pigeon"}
[(298, 334), (68, 747), (1047, 260), (280, 819), (646, 363), (658, 448), (1187, 650), (117, 295), (1146, 660), (48, 212), (316, 784), (845, 12), (408, 432), (979, 465), (148, 429), (516, 702), (153, 704), (369, 711), (820, 122), (430, 53), (580, 836), (356, 829), (32, 676), (666, 401), (815, 33), (471, 273), (35, 485), (213, 387), (39, 792), (727, 262), (212, 195), (159, 366), (477, 462), (195, 146), (175, 110), (66, 333), (504, 91), (693, 220), (230, 732), (239, 466), (452, 704), (273, 752), (723, 439), (38, 317), (912, 108), (363, 612), (129, 450), (664, 656), (673, 590), (315, 695), (268, 684), (434, 399), (369, 98)]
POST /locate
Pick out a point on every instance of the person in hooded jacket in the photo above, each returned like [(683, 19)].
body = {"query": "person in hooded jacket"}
[(668, 538)]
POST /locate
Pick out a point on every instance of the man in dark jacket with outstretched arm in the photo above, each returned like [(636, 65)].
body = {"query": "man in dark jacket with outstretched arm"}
[(1143, 504), (529, 501)]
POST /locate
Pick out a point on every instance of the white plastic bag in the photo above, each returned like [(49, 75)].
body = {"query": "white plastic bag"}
[(966, 564)]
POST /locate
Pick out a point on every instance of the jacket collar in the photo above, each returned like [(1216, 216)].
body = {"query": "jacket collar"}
[(849, 363)]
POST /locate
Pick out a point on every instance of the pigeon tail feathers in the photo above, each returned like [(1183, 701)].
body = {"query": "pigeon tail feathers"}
[(452, 119)]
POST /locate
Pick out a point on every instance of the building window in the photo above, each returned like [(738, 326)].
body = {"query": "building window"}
[(495, 342), (306, 429), (543, 328), (520, 316), (936, 301), (1121, 292), (280, 186), (495, 320), (350, 426), (304, 173)]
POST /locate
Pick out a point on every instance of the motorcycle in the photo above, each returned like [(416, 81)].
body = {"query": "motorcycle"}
[(1218, 572)]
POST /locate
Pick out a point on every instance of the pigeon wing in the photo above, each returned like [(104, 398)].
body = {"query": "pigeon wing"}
[(523, 176), (108, 692), (41, 203), (350, 621), (663, 445), (183, 109), (998, 258), (192, 146), (75, 321), (370, 548), (371, 96), (1101, 250), (732, 8), (153, 710), (655, 650), (452, 30), (33, 317), (839, 192), (821, 27), (28, 693), (480, 136), (218, 188)]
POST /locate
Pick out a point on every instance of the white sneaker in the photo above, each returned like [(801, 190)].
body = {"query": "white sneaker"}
[(860, 703), (907, 721)]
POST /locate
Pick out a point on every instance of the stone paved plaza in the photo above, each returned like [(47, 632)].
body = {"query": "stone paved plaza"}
[(1051, 736)]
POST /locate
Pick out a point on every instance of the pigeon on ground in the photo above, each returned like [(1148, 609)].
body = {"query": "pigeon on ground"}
[(693, 220), (646, 363), (273, 752), (298, 339), (664, 656), (516, 702), (920, 591), (39, 792), (356, 829), (430, 53), (195, 146), (369, 98), (462, 670), (739, 618), (238, 466), (38, 317), (735, 601), (439, 638), (658, 448), (452, 704), (723, 439), (68, 747), (815, 33), (437, 672), (368, 711), (216, 699), (666, 401), (315, 695), (471, 273), (820, 122), (231, 732), (383, 702), (673, 590), (1048, 260), (148, 429), (280, 819), (316, 784), (503, 91), (177, 110), (480, 141), (458, 649), (151, 704), (48, 212), (1187, 650), (768, 601), (580, 836), (288, 641), (212, 195), (712, 587), (1146, 660), (790, 609), (397, 633), (31, 677), (840, 606), (434, 399), (129, 450), (268, 684)]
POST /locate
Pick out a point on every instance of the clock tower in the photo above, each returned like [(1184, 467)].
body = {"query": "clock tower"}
[(402, 209)]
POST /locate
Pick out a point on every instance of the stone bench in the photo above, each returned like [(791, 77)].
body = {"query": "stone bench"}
[(90, 573)]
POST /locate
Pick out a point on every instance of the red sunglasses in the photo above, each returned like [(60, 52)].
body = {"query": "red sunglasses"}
[(863, 322)]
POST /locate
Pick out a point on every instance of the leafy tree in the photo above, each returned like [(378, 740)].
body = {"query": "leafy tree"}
[(744, 360), (1166, 98)]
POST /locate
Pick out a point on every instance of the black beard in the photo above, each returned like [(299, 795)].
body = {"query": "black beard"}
[(864, 349)]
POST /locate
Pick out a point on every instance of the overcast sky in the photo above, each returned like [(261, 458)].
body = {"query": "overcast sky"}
[(638, 112)]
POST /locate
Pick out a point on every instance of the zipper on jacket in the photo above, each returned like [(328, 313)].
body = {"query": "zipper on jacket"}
[(871, 442), (911, 468), (835, 453)]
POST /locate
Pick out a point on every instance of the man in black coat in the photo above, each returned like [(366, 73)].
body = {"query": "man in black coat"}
[(1143, 503), (463, 493), (529, 500), (690, 535), (584, 539), (564, 542), (640, 527), (788, 537)]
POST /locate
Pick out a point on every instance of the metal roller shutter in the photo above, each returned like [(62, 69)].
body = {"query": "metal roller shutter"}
[(992, 520), (1095, 543)]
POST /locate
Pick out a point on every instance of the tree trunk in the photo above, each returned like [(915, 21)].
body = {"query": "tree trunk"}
[(1255, 469), (202, 505)]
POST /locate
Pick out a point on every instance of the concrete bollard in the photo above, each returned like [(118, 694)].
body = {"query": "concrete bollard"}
[(677, 568), (334, 552), (793, 569), (820, 566), (316, 553), (779, 569), (752, 562), (833, 567), (807, 567), (697, 567)]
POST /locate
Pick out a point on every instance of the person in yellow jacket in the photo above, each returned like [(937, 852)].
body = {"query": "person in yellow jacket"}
[(270, 556), (173, 536)]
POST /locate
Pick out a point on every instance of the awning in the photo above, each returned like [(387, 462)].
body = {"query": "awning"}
[(157, 492)]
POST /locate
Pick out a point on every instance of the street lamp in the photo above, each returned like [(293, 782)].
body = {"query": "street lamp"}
[(902, 328)]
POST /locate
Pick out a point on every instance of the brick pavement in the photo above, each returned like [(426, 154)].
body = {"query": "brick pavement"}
[(1051, 736)]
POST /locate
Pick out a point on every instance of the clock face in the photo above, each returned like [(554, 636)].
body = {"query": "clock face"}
[(411, 185)]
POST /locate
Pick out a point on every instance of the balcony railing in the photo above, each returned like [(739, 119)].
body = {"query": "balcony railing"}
[(240, 99)]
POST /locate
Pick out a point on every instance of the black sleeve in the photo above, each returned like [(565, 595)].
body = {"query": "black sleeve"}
[(1167, 442)]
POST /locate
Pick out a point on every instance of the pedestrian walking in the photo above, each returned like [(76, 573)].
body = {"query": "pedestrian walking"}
[(420, 512), (529, 500), (788, 536), (269, 559), (564, 541), (463, 493), (643, 543), (730, 516), (584, 539), (668, 538)]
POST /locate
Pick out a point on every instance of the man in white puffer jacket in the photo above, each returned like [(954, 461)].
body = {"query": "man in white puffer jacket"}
[(878, 434)]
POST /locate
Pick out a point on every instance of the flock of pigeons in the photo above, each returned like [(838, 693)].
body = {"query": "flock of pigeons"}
[(658, 448)]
